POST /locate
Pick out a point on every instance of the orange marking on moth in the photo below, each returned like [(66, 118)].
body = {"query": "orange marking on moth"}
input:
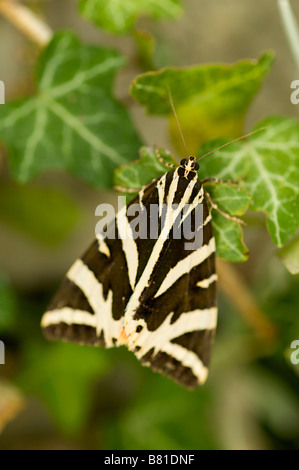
[(123, 336)]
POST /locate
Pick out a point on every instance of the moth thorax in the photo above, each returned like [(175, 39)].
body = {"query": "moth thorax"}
[(188, 168)]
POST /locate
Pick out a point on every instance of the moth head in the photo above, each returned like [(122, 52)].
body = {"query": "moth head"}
[(189, 164)]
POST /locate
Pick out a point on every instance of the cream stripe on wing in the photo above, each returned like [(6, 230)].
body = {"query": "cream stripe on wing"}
[(140, 197), (205, 283), (103, 247), (185, 265), (128, 244), (160, 339), (170, 215), (187, 359), (187, 322), (69, 316), (85, 279), (207, 219), (197, 200), (161, 192)]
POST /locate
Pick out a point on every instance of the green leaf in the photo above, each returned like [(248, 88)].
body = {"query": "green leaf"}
[(118, 16), (8, 305), (289, 255), (73, 121), (211, 100), (62, 376), (235, 201), (268, 166), (46, 214), (141, 172), (231, 199), (228, 238)]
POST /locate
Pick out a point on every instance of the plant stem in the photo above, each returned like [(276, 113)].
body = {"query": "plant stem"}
[(240, 296), (26, 21), (290, 27)]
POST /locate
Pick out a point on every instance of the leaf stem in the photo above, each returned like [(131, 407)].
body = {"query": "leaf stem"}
[(26, 21), (240, 296), (290, 27)]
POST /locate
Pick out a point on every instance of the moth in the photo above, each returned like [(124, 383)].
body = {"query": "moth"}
[(152, 294)]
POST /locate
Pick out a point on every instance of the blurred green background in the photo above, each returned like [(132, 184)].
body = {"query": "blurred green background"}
[(63, 396)]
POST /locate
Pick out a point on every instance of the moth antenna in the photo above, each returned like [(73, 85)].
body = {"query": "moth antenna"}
[(177, 119), (231, 141)]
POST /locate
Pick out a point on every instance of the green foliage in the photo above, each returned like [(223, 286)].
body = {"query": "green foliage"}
[(211, 100), (149, 421), (230, 197), (45, 214), (233, 200), (8, 305), (61, 375), (145, 43), (289, 255), (73, 121), (229, 239), (268, 166), (119, 16), (142, 171)]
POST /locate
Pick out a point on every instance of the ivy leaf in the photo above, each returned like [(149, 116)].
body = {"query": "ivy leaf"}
[(73, 121), (211, 100), (141, 172), (289, 255), (231, 199), (45, 214), (235, 201), (268, 166), (118, 16), (228, 239)]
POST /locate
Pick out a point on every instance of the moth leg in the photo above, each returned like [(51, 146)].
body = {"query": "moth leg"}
[(217, 180), (122, 189), (227, 216), (161, 159)]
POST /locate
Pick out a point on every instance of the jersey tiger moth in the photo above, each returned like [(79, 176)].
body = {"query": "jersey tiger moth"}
[(152, 294)]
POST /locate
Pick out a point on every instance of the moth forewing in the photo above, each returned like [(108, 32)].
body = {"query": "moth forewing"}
[(152, 294)]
